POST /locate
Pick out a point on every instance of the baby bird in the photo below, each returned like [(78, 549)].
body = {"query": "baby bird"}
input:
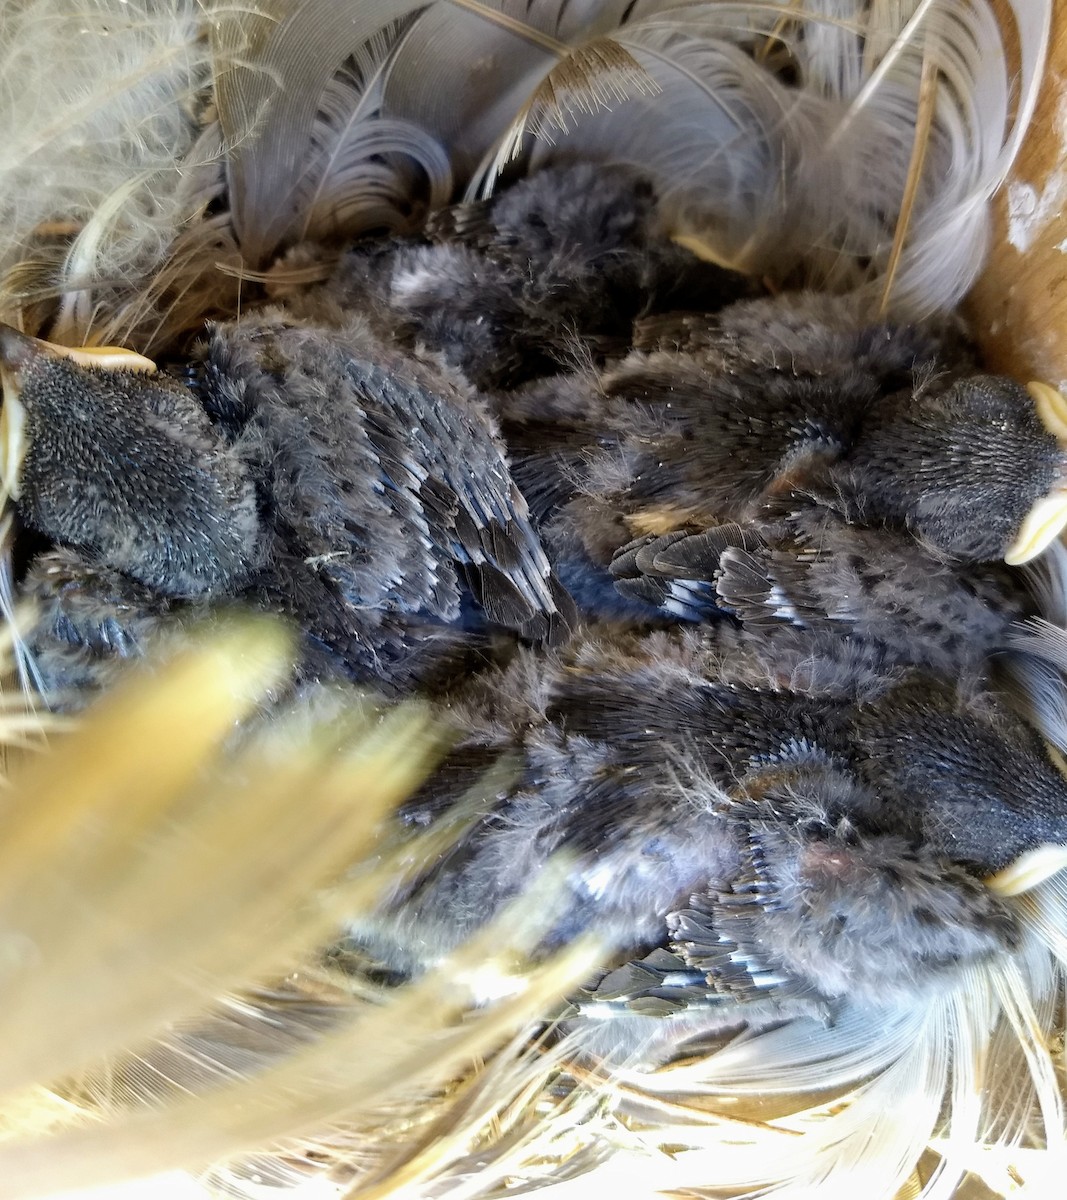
[(311, 471), (519, 285), (669, 487), (780, 846)]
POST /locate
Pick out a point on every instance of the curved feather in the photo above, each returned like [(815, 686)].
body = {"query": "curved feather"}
[(588, 80), (283, 60), (714, 137), (840, 146), (465, 69)]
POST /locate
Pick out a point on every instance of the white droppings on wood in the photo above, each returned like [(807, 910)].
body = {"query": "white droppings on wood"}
[(1030, 211)]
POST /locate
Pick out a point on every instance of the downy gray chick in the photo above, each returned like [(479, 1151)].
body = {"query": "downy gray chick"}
[(785, 847), (314, 472)]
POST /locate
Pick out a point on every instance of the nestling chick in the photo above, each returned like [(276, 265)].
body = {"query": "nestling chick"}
[(669, 487), (959, 461), (774, 843), (508, 288), (124, 461), (311, 471)]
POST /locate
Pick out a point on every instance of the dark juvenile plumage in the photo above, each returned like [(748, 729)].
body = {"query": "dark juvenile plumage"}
[(513, 287), (780, 461), (807, 333), (860, 424), (127, 465), (313, 471), (803, 564), (766, 810), (871, 493), (776, 843), (90, 619), (384, 489)]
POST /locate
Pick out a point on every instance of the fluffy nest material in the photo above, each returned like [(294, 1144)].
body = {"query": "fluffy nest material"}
[(180, 1016)]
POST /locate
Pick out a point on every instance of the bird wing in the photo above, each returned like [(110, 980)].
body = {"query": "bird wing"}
[(816, 571), (484, 523), (389, 484), (678, 571)]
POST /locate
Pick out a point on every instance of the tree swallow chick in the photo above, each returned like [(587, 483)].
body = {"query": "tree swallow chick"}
[(972, 465), (104, 452), (666, 489), (510, 288), (313, 472), (771, 844)]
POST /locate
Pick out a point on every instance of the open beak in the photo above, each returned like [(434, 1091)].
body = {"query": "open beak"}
[(1048, 517), (18, 355)]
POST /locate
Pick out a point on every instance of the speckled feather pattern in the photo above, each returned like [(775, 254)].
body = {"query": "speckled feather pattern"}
[(767, 730), (772, 724)]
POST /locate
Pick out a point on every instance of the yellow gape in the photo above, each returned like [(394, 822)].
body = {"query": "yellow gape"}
[(16, 349), (1046, 520)]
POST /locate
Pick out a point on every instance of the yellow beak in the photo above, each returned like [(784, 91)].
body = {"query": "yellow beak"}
[(17, 353), (1048, 517)]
